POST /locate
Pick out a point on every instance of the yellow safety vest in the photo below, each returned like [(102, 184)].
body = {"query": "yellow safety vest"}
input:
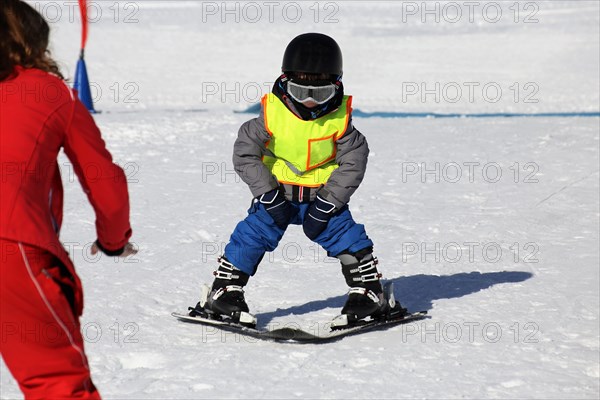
[(302, 152)]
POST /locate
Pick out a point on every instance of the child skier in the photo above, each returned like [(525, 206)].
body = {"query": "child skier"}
[(302, 159)]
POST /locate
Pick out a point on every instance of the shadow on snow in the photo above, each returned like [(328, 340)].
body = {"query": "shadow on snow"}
[(416, 292)]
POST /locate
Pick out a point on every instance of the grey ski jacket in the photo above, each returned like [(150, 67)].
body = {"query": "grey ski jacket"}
[(351, 156)]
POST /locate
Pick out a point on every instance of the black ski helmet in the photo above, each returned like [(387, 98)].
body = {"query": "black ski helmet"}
[(313, 53)]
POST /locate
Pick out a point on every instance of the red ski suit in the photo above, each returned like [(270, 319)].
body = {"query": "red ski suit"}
[(41, 295)]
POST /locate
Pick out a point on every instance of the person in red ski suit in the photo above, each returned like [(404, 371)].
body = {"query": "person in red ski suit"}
[(41, 296)]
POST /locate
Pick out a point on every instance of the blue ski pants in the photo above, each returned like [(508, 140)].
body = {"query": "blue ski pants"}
[(258, 233)]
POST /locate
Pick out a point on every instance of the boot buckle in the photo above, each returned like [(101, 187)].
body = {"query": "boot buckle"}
[(223, 290), (369, 277), (365, 292), (225, 275)]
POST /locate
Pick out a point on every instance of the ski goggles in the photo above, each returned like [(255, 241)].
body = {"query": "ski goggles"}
[(305, 94)]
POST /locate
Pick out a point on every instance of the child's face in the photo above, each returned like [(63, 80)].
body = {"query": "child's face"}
[(310, 104)]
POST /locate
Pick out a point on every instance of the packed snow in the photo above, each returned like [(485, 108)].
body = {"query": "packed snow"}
[(490, 224)]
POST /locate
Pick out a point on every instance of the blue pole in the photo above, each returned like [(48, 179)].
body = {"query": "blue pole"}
[(82, 85)]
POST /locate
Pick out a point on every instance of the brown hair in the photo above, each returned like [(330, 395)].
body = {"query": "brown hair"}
[(24, 38)]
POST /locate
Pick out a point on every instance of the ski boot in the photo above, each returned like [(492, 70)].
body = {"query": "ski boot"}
[(367, 298), (225, 299)]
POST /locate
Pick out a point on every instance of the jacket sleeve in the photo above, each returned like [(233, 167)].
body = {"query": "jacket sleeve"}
[(352, 154), (103, 181), (248, 150)]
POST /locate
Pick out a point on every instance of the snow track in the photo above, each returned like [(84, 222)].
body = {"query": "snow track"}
[(490, 224)]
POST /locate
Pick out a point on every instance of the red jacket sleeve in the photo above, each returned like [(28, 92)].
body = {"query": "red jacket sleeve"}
[(103, 181)]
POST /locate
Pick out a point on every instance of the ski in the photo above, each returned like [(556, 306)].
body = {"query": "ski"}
[(340, 327), (298, 335)]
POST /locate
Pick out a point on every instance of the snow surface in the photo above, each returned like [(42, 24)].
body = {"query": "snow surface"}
[(512, 288)]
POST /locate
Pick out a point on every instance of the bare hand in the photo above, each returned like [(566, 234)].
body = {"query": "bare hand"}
[(128, 250)]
